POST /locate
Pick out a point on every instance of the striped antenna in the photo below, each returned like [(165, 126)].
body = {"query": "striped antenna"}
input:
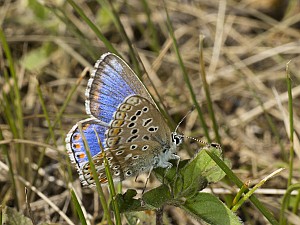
[(215, 145), (188, 113)]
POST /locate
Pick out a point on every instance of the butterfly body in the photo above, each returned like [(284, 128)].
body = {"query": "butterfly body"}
[(123, 115)]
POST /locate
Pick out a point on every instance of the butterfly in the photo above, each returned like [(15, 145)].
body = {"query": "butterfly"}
[(122, 113)]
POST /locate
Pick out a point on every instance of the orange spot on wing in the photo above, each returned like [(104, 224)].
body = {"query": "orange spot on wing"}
[(96, 97), (81, 156), (77, 145), (103, 180), (100, 155), (85, 126), (118, 123), (76, 137), (115, 131)]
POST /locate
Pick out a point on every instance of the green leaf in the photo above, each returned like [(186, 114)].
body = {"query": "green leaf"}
[(37, 58), (134, 218), (104, 17), (192, 175), (157, 197), (207, 207), (13, 217), (127, 203), (151, 200), (167, 176), (194, 186), (197, 173), (203, 165), (38, 9), (179, 183)]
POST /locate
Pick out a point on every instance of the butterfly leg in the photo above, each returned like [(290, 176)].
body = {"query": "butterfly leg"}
[(177, 158), (168, 166), (148, 177), (136, 177)]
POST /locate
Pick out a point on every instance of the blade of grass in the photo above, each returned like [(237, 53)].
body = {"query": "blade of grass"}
[(78, 207), (120, 27), (6, 102), (185, 75), (286, 200), (207, 91), (251, 192), (28, 207), (240, 193), (46, 115), (264, 109), (110, 182), (51, 133), (154, 43), (61, 15), (17, 97), (112, 191), (16, 118), (57, 119), (269, 121), (59, 114), (29, 142), (11, 169), (40, 194), (92, 26), (69, 96), (162, 109), (291, 136), (95, 176), (239, 183)]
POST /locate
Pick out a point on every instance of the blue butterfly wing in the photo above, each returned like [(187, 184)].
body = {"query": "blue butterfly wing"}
[(112, 80), (75, 145)]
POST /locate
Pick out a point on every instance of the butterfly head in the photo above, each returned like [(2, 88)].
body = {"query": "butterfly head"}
[(177, 139)]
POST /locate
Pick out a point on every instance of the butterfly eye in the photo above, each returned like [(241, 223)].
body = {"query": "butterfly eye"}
[(177, 139)]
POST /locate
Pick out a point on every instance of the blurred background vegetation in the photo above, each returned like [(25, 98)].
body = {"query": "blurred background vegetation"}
[(46, 45)]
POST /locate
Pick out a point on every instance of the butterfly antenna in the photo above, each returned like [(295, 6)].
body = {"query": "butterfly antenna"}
[(213, 144), (188, 113), (198, 140), (216, 145)]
